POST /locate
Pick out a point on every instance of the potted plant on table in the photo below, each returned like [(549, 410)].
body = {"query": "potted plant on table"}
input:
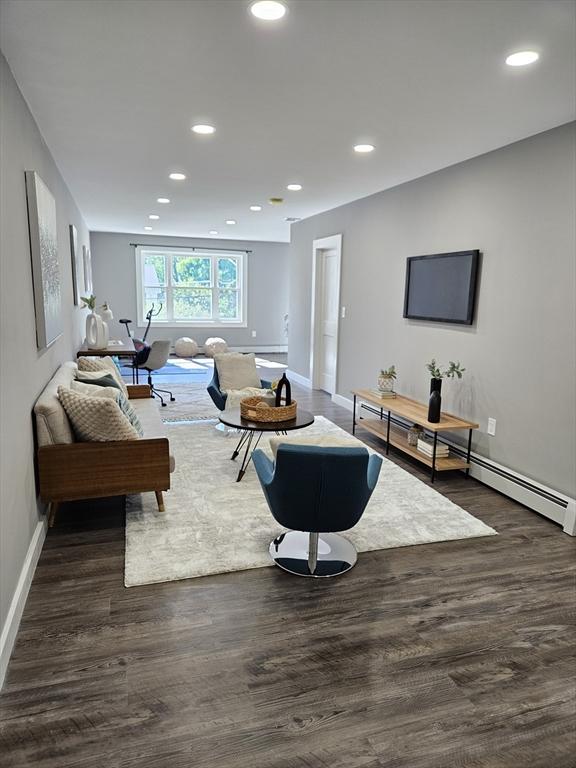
[(386, 379), (454, 370)]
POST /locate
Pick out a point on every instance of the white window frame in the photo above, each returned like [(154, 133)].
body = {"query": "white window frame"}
[(240, 256)]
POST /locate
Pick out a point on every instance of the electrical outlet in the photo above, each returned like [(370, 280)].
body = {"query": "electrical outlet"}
[(253, 334), (343, 313), (491, 426)]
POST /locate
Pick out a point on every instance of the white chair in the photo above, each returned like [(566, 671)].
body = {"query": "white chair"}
[(158, 357)]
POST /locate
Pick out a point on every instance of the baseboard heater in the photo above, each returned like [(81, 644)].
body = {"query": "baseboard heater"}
[(540, 498)]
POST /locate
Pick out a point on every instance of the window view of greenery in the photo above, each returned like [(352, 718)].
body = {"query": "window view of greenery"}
[(186, 286), (228, 289), (154, 283)]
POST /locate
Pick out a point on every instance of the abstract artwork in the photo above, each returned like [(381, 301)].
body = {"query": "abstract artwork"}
[(77, 286), (87, 270), (45, 264)]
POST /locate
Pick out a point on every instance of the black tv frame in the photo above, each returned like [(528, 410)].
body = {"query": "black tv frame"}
[(471, 293)]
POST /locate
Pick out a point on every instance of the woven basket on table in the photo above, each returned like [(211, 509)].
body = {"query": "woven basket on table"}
[(257, 409)]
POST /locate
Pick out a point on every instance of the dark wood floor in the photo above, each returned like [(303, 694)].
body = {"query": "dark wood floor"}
[(436, 656)]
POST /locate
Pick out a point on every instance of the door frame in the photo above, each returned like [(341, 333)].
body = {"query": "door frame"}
[(333, 242)]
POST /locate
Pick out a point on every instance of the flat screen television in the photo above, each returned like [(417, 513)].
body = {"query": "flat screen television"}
[(442, 287)]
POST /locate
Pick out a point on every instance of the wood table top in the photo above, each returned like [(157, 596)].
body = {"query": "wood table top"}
[(126, 348)]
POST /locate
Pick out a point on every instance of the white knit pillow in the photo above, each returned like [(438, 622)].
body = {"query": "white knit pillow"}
[(95, 419), (102, 364), (236, 371), (82, 388)]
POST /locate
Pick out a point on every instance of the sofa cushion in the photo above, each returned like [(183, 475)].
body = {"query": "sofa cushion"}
[(152, 425), (93, 390), (113, 392), (95, 419), (52, 424), (98, 379), (100, 364), (236, 371)]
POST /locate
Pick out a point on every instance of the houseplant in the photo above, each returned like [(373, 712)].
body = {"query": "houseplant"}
[(386, 379), (454, 370)]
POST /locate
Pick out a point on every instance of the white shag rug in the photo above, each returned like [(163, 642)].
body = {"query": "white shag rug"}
[(212, 524)]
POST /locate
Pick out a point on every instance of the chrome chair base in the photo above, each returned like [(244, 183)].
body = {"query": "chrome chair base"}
[(311, 554)]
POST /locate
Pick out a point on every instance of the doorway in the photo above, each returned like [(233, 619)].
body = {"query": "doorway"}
[(326, 263)]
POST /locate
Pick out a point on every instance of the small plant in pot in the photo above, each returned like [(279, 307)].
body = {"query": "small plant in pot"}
[(89, 301), (386, 379), (454, 370)]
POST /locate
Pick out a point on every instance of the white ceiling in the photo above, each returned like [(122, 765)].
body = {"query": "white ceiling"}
[(115, 87)]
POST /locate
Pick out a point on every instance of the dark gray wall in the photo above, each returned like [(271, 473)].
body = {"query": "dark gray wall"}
[(517, 206), (114, 271), (25, 369)]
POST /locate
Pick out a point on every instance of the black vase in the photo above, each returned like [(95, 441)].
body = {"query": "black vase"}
[(434, 406), (283, 384), (435, 385)]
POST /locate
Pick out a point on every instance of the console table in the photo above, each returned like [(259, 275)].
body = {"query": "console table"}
[(416, 413)]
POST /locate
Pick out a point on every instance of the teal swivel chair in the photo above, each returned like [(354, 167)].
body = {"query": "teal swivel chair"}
[(316, 492)]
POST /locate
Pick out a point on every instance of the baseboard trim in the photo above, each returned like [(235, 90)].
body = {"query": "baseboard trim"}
[(270, 349), (263, 349), (10, 628), (546, 501), (299, 379), (343, 401)]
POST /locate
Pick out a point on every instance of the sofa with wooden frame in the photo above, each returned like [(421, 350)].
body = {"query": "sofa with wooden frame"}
[(69, 470)]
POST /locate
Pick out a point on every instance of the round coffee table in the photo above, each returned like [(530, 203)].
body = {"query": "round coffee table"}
[(252, 432)]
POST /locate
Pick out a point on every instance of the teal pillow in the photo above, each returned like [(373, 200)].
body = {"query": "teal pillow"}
[(130, 413), (100, 380)]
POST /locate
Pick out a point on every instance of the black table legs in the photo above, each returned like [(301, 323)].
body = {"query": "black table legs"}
[(246, 439)]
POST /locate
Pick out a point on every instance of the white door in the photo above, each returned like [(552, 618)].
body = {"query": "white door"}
[(327, 303)]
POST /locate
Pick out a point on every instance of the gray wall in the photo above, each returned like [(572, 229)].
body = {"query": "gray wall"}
[(517, 206), (25, 370), (114, 271)]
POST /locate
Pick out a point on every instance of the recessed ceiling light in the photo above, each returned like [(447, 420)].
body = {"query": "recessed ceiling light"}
[(163, 200), (364, 148), (294, 187), (154, 217), (230, 221), (205, 130), (213, 232), (522, 58), (255, 207), (148, 229), (268, 10), (276, 200), (178, 176)]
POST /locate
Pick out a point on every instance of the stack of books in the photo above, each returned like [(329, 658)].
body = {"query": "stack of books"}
[(428, 449), (383, 395)]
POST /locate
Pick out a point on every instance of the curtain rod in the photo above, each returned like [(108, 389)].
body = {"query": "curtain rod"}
[(191, 247)]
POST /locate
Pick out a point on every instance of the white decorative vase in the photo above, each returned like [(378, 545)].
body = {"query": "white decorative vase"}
[(96, 332)]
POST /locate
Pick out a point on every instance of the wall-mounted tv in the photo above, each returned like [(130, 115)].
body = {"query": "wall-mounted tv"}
[(442, 287)]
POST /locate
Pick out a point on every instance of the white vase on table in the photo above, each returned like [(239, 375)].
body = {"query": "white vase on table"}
[(97, 334)]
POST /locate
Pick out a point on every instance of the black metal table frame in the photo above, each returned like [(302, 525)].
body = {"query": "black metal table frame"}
[(246, 439), (434, 433)]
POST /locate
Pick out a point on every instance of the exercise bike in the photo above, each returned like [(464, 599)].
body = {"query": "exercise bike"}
[(143, 352), (140, 344)]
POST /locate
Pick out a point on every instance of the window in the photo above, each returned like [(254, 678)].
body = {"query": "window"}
[(193, 287)]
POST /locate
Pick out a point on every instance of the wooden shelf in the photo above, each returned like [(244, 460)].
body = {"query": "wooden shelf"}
[(413, 411), (399, 440)]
